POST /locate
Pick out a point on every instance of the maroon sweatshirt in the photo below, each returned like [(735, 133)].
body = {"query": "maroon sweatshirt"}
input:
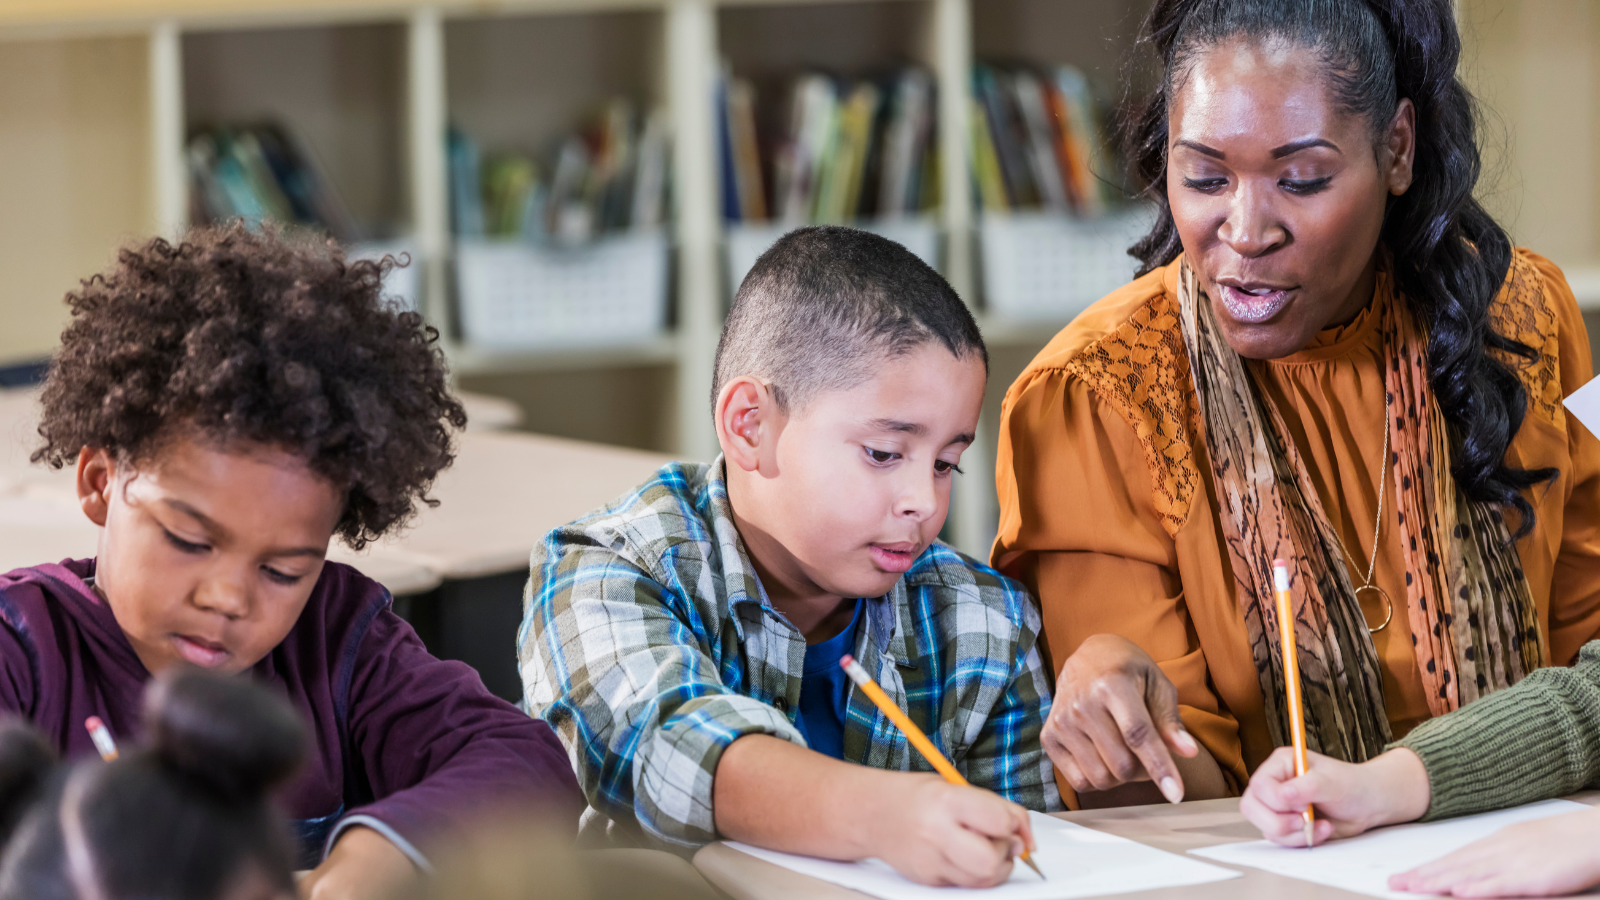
[(402, 742)]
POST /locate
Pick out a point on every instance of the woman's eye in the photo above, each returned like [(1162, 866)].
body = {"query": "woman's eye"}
[(945, 468), (182, 544), (1305, 187), (279, 577), (881, 456), (1204, 185)]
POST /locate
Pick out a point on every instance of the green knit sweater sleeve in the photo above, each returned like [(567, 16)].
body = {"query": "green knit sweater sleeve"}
[(1533, 741)]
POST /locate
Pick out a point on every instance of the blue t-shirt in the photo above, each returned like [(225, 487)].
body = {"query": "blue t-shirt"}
[(825, 691)]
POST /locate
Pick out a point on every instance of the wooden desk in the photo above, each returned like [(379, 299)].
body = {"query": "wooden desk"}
[(505, 491), (1178, 829)]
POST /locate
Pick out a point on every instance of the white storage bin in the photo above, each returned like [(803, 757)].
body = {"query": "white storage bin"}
[(1048, 266), (516, 296), (402, 284), (746, 243)]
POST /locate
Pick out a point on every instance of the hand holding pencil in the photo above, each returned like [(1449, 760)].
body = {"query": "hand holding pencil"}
[(922, 744)]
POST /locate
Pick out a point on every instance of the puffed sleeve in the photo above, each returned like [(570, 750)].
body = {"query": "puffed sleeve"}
[(1079, 527), (1575, 584)]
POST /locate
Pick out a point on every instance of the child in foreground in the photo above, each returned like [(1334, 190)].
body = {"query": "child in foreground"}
[(232, 403), (182, 816), (1536, 740), (685, 640)]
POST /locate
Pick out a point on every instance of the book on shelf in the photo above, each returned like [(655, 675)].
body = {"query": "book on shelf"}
[(1038, 142), (846, 150), (259, 172), (610, 175)]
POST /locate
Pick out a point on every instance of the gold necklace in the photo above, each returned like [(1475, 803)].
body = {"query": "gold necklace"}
[(1377, 530)]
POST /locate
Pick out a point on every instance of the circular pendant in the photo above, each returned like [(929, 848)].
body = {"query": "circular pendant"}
[(1388, 606)]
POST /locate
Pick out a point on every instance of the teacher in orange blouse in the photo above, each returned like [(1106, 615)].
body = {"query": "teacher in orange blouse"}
[(1335, 356)]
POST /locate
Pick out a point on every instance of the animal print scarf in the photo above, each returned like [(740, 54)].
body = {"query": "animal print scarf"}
[(1469, 606)]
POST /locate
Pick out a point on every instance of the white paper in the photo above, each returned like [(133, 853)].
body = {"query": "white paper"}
[(1078, 861), (1364, 863), (1585, 404)]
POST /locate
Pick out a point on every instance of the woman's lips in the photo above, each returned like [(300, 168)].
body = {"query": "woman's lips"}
[(199, 651), (894, 557), (1254, 305)]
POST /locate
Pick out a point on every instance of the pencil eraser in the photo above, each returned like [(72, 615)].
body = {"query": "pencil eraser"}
[(93, 723), (1280, 563), (846, 660)]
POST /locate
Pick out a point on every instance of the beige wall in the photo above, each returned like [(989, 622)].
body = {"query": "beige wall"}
[(1535, 64), (74, 175)]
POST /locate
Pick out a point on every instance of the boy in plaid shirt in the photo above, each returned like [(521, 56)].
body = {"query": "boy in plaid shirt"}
[(684, 641)]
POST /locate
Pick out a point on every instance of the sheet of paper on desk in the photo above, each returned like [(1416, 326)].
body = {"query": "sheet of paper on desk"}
[(1585, 404), (1364, 863), (1079, 862)]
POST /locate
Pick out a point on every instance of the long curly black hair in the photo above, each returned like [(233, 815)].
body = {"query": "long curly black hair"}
[(1450, 256), (257, 337)]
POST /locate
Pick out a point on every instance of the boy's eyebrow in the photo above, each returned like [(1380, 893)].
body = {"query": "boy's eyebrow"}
[(914, 428), (897, 426), (214, 527)]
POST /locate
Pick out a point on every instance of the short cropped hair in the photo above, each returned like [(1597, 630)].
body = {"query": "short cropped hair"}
[(824, 305), (259, 337)]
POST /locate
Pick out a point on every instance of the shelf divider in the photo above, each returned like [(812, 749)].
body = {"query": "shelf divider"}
[(169, 184), (691, 77), (426, 115)]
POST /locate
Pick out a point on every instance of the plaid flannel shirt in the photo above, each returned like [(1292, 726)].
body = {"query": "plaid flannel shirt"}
[(648, 645)]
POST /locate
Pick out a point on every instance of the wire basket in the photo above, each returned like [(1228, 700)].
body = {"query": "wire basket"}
[(746, 243), (516, 296), (1048, 266)]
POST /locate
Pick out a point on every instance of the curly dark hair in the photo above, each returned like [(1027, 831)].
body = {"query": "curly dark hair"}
[(263, 337), (1450, 256)]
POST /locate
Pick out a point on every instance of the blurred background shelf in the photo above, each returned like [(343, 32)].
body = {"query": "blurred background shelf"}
[(467, 361), (101, 101)]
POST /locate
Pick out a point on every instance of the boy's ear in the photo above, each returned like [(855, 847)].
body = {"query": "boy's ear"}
[(745, 415), (96, 471)]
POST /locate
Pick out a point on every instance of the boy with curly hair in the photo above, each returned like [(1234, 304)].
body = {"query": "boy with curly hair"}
[(685, 640), (231, 403)]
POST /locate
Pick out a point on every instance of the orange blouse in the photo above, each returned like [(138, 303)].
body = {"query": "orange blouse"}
[(1108, 511)]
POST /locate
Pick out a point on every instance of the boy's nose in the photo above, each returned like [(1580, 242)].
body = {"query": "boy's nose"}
[(919, 498)]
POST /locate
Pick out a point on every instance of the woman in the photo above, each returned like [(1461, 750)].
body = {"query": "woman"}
[(1334, 356)]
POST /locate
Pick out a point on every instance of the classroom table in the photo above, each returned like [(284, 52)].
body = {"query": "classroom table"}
[(1178, 829), (504, 492)]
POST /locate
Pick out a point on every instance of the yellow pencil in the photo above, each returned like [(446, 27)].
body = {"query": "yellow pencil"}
[(1291, 679), (912, 732)]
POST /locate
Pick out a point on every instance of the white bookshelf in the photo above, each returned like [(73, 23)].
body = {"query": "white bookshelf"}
[(370, 85)]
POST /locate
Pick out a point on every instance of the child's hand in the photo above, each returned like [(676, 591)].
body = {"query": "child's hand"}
[(364, 864), (1349, 798), (937, 833), (1543, 858)]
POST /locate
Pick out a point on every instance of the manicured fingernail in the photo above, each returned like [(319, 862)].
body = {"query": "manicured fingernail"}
[(1187, 741), (1171, 790)]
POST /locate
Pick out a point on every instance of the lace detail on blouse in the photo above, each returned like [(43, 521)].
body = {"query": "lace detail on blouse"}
[(1142, 371), (1523, 312)]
